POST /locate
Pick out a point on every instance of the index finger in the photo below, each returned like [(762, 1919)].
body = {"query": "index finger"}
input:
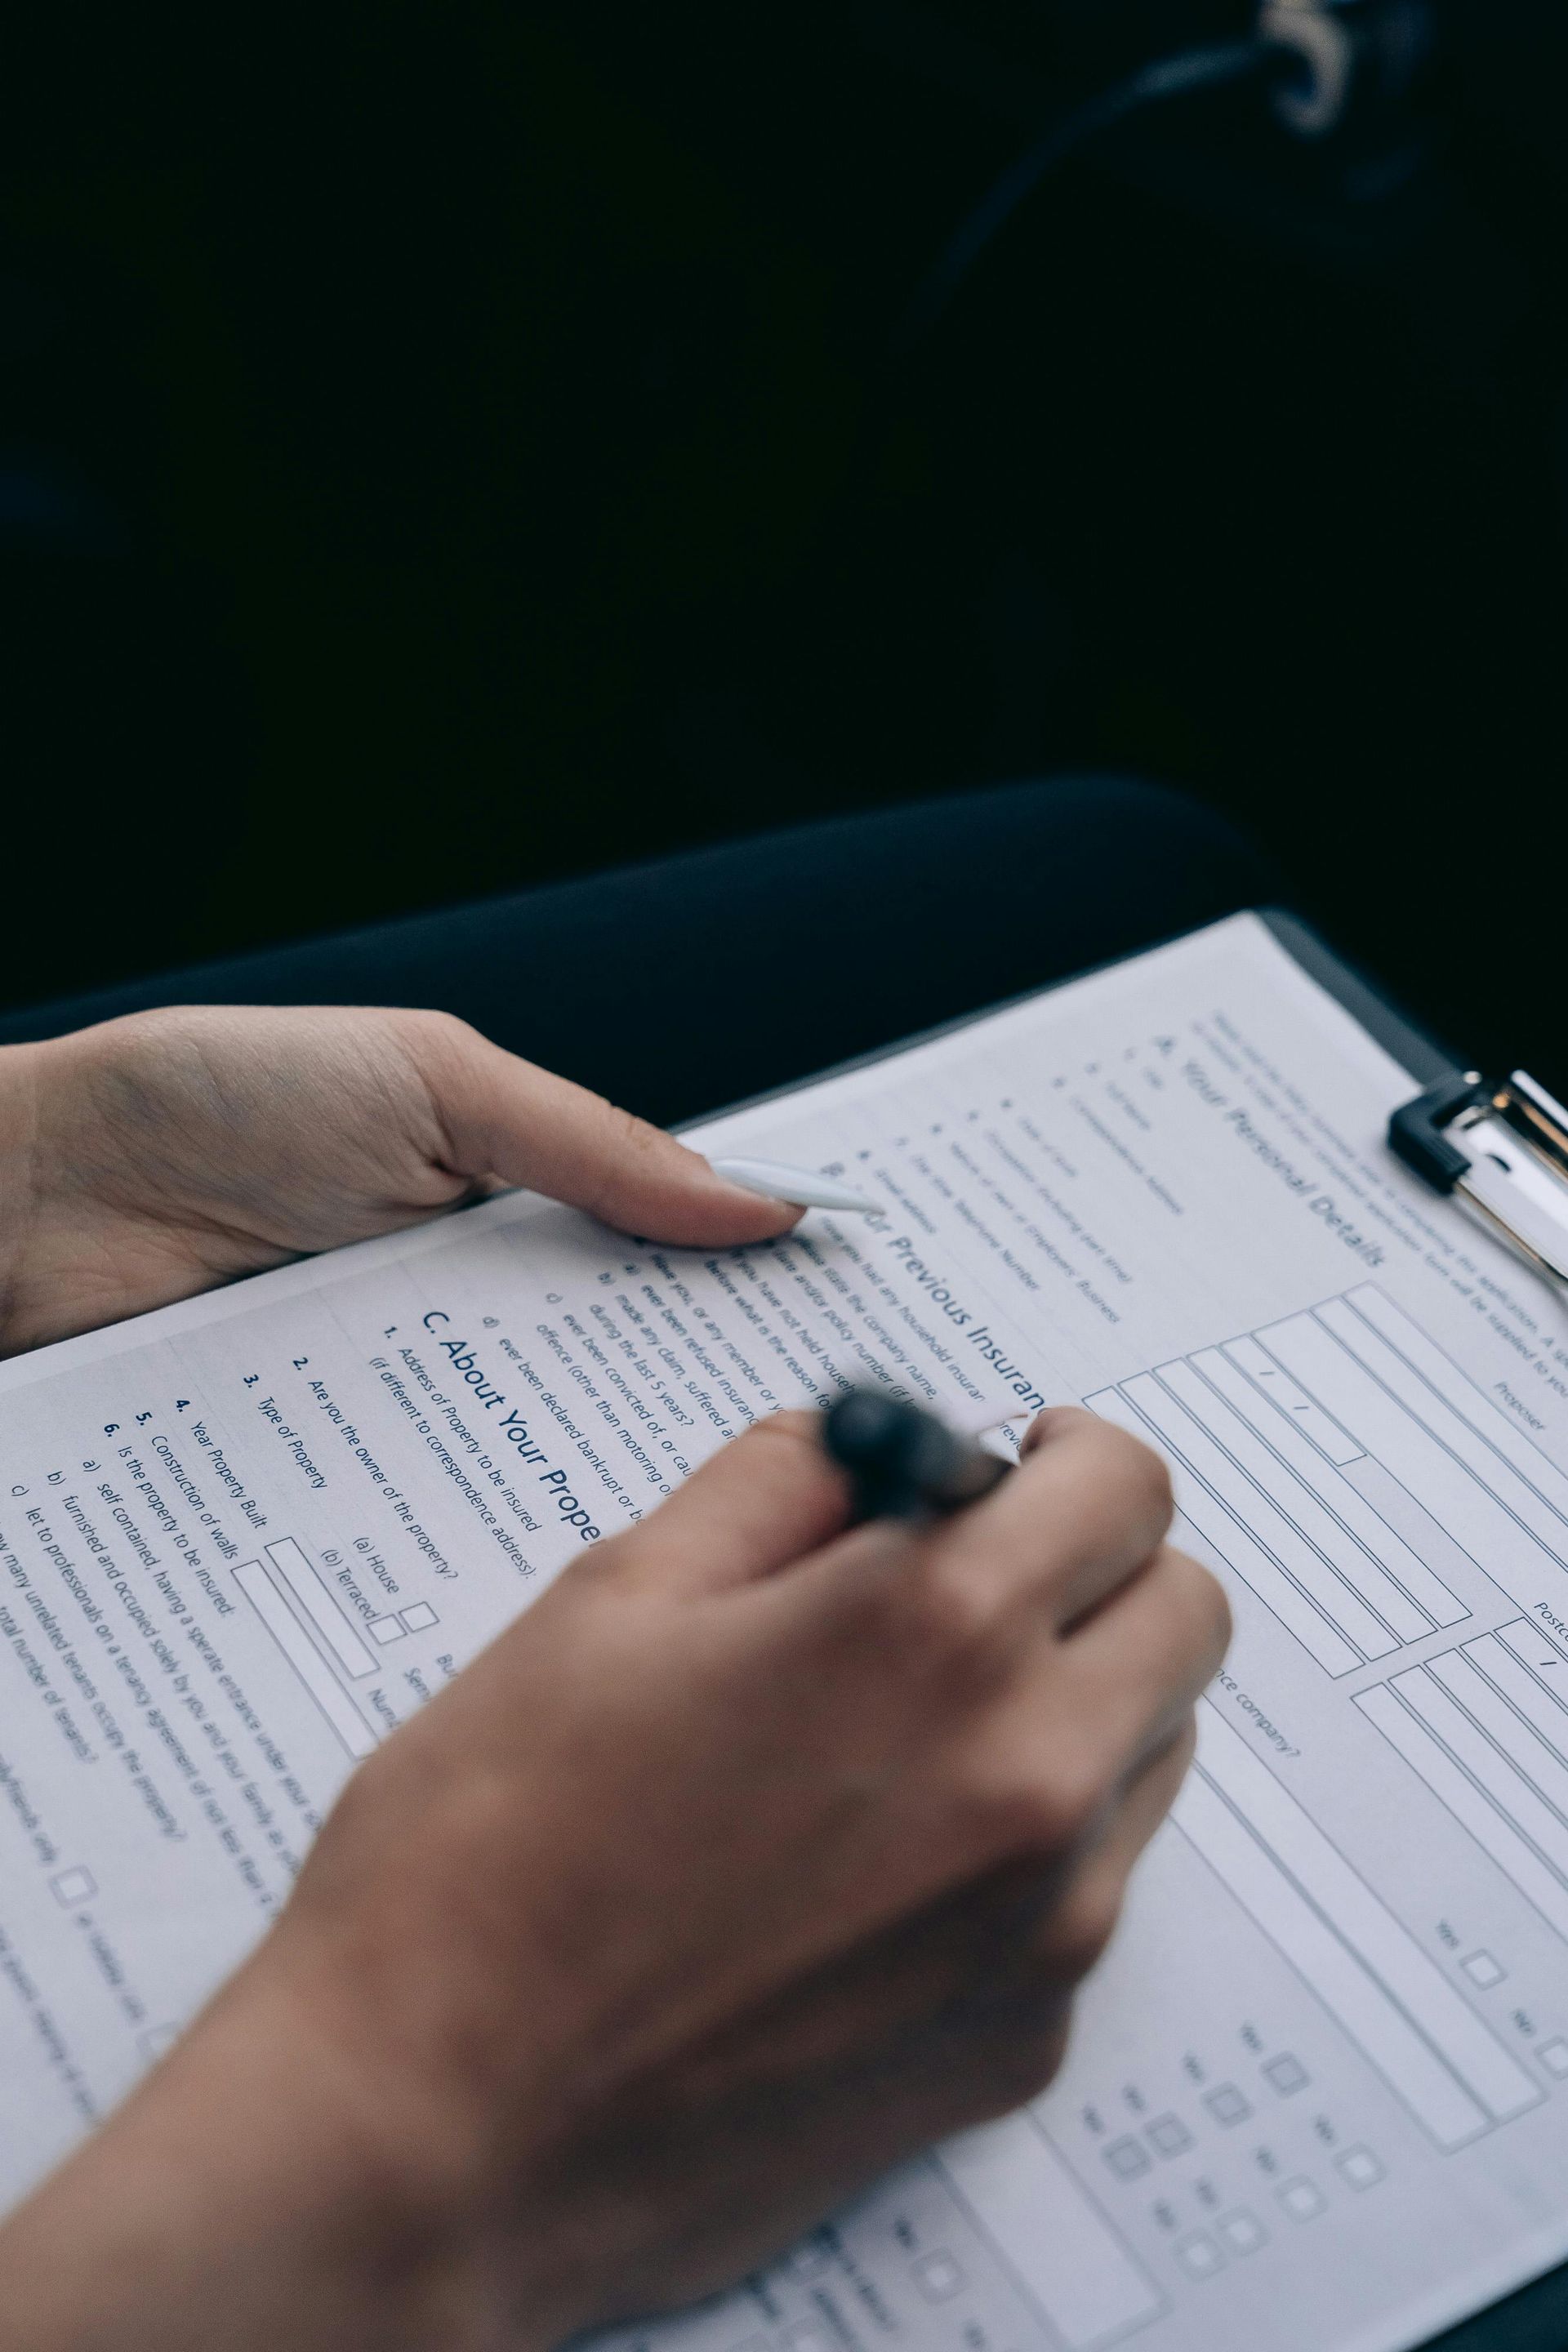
[(763, 1500), (504, 1117)]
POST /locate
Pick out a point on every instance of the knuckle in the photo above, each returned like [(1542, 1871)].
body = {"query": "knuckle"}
[(172, 1031), (927, 1632), (1221, 1623), (163, 1020), (425, 1031), (1081, 1927), (625, 1157), (1029, 2057), (1203, 1607), (436, 1048), (628, 1135), (135, 1067), (1123, 1486), (1144, 1476), (948, 1613), (1040, 1806), (1183, 1749)]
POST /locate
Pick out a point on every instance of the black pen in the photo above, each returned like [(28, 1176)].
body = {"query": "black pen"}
[(904, 1462)]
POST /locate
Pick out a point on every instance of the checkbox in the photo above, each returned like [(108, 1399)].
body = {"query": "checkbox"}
[(156, 2039), (1198, 2255), (1287, 2074), (1361, 2168), (1302, 2199), (420, 1616), (74, 1886), (940, 2276), (1226, 2104), (1127, 2159), (387, 1629), (1483, 1971), (1170, 2135), (805, 2339), (1554, 2058), (806, 2261), (1243, 2231)]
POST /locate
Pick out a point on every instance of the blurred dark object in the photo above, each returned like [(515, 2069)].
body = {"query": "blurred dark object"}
[(449, 452)]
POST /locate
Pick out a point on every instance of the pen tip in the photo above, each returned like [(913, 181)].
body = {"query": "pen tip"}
[(803, 1187)]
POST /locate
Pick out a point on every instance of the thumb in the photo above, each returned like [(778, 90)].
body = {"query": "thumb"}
[(506, 1117)]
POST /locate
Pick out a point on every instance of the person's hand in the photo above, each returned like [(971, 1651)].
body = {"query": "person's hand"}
[(155, 1156), (762, 1852)]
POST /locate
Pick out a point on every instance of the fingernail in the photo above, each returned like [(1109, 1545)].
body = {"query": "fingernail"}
[(801, 1187)]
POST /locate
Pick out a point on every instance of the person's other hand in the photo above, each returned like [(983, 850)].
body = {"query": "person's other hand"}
[(157, 1155), (762, 1853)]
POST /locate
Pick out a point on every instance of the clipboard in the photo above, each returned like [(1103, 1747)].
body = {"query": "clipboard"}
[(1499, 1146), (1453, 1120), (1452, 1134), (1455, 1134)]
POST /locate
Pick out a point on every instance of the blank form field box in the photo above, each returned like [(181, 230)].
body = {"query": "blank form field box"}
[(1227, 2106), (1268, 1375), (1466, 1680), (1527, 1671), (1243, 2231), (1302, 2199), (1400, 2008), (1198, 2255), (1279, 1416), (1077, 2270), (1483, 1971), (1535, 1651), (1456, 1703), (385, 1629), (1554, 2058), (1425, 1371), (73, 1887), (1297, 1565), (1232, 1542), (1361, 2168), (320, 1606), (1321, 1540), (305, 1658), (154, 2040), (1469, 1804), (1128, 2158), (1464, 1480), (1170, 2135), (1287, 2074), (420, 1617), (939, 2275)]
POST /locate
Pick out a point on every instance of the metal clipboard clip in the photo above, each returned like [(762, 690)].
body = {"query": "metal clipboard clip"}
[(1504, 1147)]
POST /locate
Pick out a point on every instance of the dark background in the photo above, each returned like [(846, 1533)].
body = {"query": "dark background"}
[(446, 448)]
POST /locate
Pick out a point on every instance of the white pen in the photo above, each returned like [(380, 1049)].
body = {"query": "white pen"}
[(800, 1186)]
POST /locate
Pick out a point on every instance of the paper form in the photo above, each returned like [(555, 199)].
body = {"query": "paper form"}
[(1317, 2100)]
